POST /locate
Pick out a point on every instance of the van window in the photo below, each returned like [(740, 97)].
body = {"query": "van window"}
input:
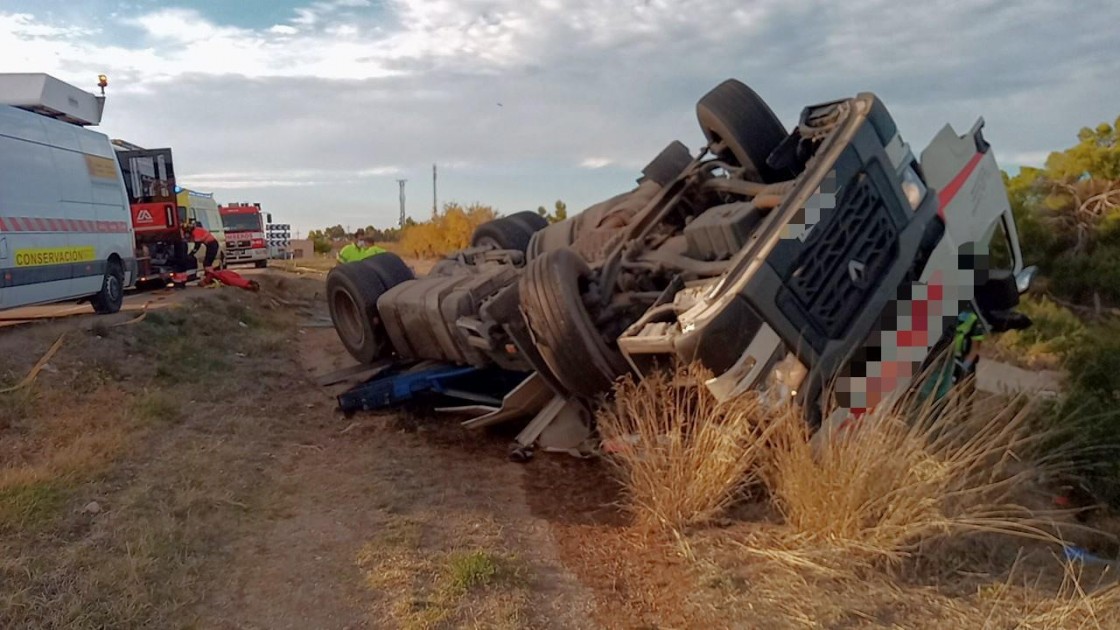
[(999, 250)]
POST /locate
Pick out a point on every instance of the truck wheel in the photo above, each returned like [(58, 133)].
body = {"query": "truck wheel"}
[(352, 292), (553, 237), (529, 220), (512, 232), (389, 268), (109, 299), (566, 337), (669, 164), (260, 264), (735, 116)]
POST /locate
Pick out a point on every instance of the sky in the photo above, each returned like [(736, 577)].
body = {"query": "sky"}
[(315, 108)]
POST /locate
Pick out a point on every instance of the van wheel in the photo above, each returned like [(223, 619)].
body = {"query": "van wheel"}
[(111, 296), (261, 264)]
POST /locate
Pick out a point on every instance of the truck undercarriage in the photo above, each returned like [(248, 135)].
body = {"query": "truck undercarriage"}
[(824, 259)]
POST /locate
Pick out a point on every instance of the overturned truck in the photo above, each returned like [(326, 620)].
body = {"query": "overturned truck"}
[(823, 264)]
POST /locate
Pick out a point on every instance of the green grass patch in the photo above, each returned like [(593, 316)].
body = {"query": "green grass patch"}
[(470, 570), (157, 407), (30, 506), (17, 406)]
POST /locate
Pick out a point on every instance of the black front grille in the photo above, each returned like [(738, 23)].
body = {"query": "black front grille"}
[(843, 261)]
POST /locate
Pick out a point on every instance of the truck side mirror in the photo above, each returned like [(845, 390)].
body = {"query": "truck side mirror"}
[(1024, 278)]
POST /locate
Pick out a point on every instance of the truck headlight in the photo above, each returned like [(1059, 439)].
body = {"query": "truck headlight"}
[(913, 187)]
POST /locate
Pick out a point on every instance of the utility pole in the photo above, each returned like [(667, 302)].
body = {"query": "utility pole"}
[(434, 206), (401, 183)]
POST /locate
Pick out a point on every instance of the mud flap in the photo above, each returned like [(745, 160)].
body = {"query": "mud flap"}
[(557, 424), (525, 400)]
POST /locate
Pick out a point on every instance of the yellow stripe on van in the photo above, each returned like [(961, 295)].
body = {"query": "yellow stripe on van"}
[(54, 256), (100, 167)]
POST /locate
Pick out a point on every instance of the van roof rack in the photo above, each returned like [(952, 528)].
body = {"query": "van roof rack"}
[(47, 96)]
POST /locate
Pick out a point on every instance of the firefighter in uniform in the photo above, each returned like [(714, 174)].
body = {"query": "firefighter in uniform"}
[(200, 236)]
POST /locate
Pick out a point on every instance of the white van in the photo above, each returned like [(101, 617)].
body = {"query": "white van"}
[(65, 228)]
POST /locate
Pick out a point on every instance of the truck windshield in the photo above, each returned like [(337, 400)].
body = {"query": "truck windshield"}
[(241, 222)]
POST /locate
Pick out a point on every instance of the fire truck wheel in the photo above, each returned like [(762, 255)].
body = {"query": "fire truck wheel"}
[(566, 337), (669, 164), (512, 232), (352, 294), (111, 296), (734, 117)]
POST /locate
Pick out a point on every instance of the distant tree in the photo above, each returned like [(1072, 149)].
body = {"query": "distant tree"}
[(559, 214), (447, 230), (1068, 214)]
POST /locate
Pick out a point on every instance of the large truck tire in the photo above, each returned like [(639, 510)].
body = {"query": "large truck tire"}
[(111, 296), (735, 116), (566, 338), (512, 232), (669, 164), (529, 220), (558, 235), (352, 293)]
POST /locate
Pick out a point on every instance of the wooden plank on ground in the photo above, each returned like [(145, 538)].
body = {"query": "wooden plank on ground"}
[(352, 372)]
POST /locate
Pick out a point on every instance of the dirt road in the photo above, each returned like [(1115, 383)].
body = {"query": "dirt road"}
[(134, 301)]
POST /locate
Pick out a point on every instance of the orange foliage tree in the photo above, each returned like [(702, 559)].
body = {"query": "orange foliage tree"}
[(446, 231)]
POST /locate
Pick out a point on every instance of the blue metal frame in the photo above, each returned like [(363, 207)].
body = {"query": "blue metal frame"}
[(396, 387)]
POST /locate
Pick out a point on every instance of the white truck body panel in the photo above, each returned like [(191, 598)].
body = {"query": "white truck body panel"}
[(63, 211)]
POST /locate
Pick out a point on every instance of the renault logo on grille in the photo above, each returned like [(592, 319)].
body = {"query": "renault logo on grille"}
[(856, 271)]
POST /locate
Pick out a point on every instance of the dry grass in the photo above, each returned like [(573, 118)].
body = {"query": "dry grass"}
[(682, 456), (120, 483), (475, 586), (892, 519), (1073, 604), (906, 475)]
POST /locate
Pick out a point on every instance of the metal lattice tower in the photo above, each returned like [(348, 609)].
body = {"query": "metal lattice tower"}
[(401, 183)]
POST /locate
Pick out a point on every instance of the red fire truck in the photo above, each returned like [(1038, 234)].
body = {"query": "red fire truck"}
[(150, 181), (245, 240)]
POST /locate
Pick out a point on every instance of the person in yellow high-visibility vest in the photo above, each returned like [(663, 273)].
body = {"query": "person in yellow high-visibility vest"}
[(360, 249)]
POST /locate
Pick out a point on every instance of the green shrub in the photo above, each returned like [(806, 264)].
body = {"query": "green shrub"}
[(1091, 406)]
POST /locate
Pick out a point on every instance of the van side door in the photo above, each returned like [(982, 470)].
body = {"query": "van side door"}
[(33, 221)]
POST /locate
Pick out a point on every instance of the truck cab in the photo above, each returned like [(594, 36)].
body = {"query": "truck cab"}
[(245, 235)]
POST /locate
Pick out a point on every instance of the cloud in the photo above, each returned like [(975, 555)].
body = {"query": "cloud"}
[(348, 95), (595, 162), (280, 178)]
